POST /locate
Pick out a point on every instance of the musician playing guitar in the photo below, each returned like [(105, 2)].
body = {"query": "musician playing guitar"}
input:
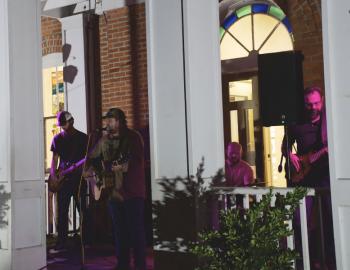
[(69, 148), (311, 140), (309, 165), (120, 153)]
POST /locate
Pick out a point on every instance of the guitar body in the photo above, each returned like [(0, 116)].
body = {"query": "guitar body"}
[(102, 188), (306, 164), (55, 185), (305, 168), (108, 183)]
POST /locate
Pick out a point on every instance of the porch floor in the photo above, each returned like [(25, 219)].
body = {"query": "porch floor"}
[(99, 257)]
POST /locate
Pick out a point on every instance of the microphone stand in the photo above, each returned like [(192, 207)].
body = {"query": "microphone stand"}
[(286, 135), (81, 214)]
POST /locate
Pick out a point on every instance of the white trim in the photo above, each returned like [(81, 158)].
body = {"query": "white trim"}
[(52, 4), (106, 5), (5, 93)]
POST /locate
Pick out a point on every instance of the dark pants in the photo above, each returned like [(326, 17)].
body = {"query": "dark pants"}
[(314, 233), (129, 231), (69, 188)]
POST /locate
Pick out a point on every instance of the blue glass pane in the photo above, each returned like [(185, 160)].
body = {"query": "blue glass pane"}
[(260, 8), (229, 21), (60, 88), (287, 24)]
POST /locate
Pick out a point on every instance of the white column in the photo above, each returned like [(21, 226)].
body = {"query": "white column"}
[(336, 41), (203, 85), (184, 86), (73, 34), (166, 91), (23, 240)]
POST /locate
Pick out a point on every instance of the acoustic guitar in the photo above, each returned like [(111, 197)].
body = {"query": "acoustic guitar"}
[(61, 175), (108, 182), (306, 163)]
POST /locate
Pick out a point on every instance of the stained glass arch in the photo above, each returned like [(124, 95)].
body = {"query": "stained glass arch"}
[(253, 27)]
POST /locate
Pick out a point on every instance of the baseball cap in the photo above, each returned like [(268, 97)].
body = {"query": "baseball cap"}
[(63, 117), (115, 113)]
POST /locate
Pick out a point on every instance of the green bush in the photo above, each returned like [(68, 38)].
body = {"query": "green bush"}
[(251, 239)]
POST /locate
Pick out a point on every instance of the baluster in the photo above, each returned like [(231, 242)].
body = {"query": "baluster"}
[(304, 234), (246, 201)]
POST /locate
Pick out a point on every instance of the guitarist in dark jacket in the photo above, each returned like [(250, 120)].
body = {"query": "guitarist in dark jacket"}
[(311, 140), (68, 148), (310, 168), (121, 151)]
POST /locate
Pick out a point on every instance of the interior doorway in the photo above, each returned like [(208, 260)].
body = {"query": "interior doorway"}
[(261, 145)]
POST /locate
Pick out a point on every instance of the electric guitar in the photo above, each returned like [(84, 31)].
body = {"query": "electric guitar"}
[(306, 163), (61, 175)]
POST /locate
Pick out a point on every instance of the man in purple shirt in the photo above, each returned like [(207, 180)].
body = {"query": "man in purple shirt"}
[(238, 172), (126, 201)]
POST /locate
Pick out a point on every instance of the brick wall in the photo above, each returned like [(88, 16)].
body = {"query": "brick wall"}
[(305, 17), (124, 53), (51, 36), (124, 63)]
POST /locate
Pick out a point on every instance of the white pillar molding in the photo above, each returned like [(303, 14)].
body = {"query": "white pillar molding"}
[(185, 102), (166, 91), (203, 85), (184, 84), (336, 44), (73, 34), (23, 239)]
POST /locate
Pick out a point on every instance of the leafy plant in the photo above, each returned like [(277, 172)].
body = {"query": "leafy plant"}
[(176, 215), (251, 239)]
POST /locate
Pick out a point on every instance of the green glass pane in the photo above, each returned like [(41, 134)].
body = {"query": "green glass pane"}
[(277, 12), (222, 32), (244, 11)]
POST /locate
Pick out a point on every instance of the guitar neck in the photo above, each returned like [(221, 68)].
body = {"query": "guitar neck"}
[(317, 155), (76, 166)]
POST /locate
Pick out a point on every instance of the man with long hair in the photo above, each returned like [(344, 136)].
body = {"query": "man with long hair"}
[(121, 152)]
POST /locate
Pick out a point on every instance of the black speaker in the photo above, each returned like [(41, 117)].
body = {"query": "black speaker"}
[(281, 88)]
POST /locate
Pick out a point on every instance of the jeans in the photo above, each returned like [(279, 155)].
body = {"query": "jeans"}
[(129, 231), (69, 189)]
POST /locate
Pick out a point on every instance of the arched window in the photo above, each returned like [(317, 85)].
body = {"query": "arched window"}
[(254, 28), (249, 28)]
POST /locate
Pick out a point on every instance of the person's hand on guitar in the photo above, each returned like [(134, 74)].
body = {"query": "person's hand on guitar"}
[(294, 159), (53, 176), (88, 174), (119, 167)]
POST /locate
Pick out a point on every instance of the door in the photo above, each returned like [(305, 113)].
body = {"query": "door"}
[(261, 145), (240, 111)]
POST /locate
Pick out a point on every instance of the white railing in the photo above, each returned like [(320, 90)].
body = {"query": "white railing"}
[(255, 194), (51, 214)]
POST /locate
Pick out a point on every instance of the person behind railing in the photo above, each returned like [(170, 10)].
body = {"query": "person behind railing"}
[(238, 173), (310, 168)]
